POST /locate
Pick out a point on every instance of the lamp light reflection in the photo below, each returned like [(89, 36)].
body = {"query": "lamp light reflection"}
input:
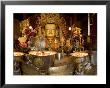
[(69, 28)]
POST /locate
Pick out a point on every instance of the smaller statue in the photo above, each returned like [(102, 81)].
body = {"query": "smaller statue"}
[(77, 39)]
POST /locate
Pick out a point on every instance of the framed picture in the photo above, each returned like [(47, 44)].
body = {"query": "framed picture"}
[(86, 22)]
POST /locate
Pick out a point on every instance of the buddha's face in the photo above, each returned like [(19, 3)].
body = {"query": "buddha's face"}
[(50, 29), (50, 32)]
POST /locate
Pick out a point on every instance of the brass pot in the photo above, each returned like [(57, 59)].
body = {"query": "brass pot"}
[(79, 57), (42, 59)]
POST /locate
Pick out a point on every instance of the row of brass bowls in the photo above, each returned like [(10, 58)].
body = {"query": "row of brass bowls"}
[(80, 56), (55, 63), (38, 54), (51, 61), (40, 59)]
